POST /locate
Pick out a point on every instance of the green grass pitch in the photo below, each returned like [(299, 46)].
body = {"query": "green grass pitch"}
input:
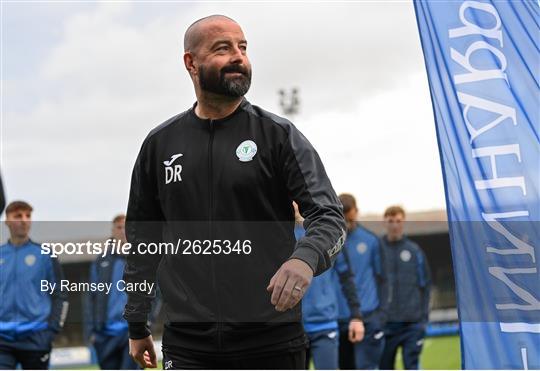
[(439, 353)]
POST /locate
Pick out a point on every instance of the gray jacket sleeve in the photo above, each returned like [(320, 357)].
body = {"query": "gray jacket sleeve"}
[(309, 186)]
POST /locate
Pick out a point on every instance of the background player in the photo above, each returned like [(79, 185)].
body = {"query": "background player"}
[(363, 252), (409, 288), (320, 309), (105, 326), (29, 316)]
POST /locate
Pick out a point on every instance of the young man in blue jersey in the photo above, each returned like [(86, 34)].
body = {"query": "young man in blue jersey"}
[(363, 253), (320, 310), (30, 316), (105, 325), (409, 288)]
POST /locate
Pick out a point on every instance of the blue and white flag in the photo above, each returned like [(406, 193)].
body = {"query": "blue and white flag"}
[(483, 65)]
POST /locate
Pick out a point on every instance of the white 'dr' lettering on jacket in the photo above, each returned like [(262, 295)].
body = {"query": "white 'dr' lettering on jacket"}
[(173, 173)]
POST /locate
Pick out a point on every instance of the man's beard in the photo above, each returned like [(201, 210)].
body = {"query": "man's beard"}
[(218, 82)]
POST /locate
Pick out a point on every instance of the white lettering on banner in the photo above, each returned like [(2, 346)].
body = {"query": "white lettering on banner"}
[(502, 274), (524, 358), (495, 181), (522, 247), (499, 113), (504, 112), (472, 28), (476, 74), (520, 327)]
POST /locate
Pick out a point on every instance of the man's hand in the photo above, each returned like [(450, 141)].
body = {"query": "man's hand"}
[(289, 284), (356, 330), (142, 351)]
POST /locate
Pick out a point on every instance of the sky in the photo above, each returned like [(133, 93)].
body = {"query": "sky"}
[(83, 83)]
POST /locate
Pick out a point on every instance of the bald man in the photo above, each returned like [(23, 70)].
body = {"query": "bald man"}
[(217, 181)]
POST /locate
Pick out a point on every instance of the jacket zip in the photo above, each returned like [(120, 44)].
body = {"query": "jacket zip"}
[(17, 309), (396, 274), (211, 217)]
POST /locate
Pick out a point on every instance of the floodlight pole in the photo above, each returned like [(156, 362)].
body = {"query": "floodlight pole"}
[(289, 102)]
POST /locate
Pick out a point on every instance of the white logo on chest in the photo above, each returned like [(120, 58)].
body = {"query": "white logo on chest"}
[(361, 247), (30, 260), (173, 173), (405, 255), (246, 150)]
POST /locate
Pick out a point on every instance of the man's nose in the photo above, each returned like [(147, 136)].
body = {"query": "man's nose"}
[(237, 55), (25, 219)]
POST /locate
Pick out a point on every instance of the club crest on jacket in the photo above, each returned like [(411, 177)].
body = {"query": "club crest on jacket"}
[(246, 150)]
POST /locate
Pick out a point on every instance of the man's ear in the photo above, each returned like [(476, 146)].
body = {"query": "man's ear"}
[(190, 63)]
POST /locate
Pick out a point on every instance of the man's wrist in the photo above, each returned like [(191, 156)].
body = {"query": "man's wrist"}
[(138, 330), (356, 314), (308, 256)]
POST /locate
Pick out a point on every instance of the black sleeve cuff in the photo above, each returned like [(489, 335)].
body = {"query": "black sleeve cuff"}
[(308, 256), (138, 330), (356, 314)]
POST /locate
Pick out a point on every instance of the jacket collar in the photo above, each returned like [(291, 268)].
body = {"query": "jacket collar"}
[(241, 107)]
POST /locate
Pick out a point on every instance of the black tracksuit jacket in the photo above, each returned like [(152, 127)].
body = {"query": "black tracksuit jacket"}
[(215, 297), (2, 197)]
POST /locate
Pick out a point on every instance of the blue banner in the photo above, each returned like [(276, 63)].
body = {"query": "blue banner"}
[(483, 65)]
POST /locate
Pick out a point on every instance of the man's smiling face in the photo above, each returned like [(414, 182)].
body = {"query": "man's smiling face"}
[(220, 58)]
